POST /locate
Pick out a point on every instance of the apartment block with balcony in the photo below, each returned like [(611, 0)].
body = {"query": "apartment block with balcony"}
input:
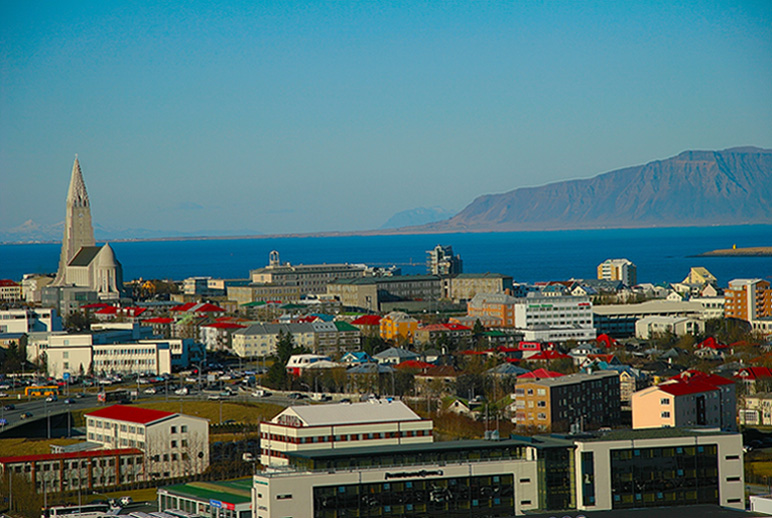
[(748, 299)]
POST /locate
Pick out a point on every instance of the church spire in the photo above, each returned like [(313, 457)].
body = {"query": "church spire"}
[(77, 195), (78, 231)]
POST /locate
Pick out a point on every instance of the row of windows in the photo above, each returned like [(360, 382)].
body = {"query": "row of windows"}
[(343, 438), (108, 425), (116, 352)]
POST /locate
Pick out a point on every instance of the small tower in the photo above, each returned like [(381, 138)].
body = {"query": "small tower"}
[(273, 258), (78, 230)]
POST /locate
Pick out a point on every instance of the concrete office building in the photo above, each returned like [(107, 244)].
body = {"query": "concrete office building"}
[(516, 476), (341, 426), (308, 278)]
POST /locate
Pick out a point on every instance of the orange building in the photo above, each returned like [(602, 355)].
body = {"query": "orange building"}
[(496, 307), (399, 327), (748, 299)]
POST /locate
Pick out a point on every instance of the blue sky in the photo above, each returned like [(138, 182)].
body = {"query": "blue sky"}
[(281, 117)]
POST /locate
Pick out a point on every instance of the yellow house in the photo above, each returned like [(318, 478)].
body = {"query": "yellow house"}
[(399, 327)]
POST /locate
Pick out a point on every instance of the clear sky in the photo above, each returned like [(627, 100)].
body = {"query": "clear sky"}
[(280, 117)]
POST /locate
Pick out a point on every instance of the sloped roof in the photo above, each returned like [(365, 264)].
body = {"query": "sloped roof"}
[(85, 255), (540, 374), (681, 388), (548, 355), (351, 413), (158, 320), (367, 320), (133, 414)]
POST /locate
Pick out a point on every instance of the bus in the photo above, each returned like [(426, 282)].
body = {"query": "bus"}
[(80, 511), (42, 390)]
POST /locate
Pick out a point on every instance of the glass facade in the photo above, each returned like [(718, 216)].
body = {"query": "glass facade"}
[(555, 470), (351, 458), (490, 496), (655, 477)]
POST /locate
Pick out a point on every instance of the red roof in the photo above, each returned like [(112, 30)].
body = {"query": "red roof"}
[(414, 364), (108, 310), (95, 305), (133, 414), (158, 320), (754, 373), (548, 355), (367, 320), (8, 282), (512, 360), (711, 343), (114, 310), (198, 307), (695, 375), (602, 357), (70, 455), (224, 325), (681, 388), (184, 307), (606, 339), (540, 374), (471, 353)]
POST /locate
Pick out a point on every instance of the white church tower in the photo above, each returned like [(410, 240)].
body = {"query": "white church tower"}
[(78, 231)]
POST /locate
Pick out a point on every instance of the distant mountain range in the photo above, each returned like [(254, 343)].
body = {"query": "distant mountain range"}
[(419, 216), (694, 188)]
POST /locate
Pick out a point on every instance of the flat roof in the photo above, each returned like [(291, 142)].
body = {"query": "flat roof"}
[(646, 433), (235, 491), (540, 442)]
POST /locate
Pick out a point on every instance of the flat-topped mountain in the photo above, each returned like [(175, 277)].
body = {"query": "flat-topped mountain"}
[(694, 188)]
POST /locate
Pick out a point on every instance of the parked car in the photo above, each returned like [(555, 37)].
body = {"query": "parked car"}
[(3, 394), (69, 401), (297, 395), (26, 415), (9, 407), (51, 399), (182, 391), (150, 390), (126, 500)]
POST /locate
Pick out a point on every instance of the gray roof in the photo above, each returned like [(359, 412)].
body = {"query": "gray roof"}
[(397, 352), (370, 368), (374, 411), (570, 379), (85, 255)]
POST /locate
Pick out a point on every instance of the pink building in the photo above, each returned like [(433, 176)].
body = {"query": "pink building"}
[(690, 399)]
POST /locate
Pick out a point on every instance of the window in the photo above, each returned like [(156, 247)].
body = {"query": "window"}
[(666, 415), (283, 497), (184, 428), (732, 479), (174, 444), (174, 429)]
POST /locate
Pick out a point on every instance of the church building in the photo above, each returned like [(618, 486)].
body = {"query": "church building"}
[(86, 271)]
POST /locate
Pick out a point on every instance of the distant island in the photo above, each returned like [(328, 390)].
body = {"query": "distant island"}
[(739, 252)]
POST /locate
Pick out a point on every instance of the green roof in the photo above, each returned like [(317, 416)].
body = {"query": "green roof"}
[(231, 491), (344, 326), (253, 304)]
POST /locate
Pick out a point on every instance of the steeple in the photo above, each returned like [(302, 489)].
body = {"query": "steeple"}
[(77, 195), (78, 231)]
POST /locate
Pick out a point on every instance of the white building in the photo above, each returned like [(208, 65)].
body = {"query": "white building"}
[(647, 327), (259, 340), (554, 319), (174, 444), (345, 425), (309, 278), (29, 320)]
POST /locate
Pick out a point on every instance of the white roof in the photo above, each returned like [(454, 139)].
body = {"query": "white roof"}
[(375, 411)]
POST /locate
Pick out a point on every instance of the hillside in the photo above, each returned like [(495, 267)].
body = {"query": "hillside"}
[(728, 187)]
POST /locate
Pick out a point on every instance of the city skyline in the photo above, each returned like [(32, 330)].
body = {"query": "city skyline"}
[(285, 118)]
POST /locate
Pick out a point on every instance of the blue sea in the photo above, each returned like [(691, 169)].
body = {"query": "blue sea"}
[(661, 254)]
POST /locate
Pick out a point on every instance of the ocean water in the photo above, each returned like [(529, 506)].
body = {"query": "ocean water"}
[(661, 254)]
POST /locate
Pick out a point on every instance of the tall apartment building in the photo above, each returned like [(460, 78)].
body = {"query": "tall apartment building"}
[(173, 444), (376, 423), (441, 261), (748, 299), (691, 399), (618, 270), (588, 400)]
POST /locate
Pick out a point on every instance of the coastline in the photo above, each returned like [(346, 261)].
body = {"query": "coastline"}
[(755, 251)]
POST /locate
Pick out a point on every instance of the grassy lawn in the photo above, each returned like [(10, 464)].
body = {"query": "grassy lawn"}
[(252, 413), (22, 446)]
